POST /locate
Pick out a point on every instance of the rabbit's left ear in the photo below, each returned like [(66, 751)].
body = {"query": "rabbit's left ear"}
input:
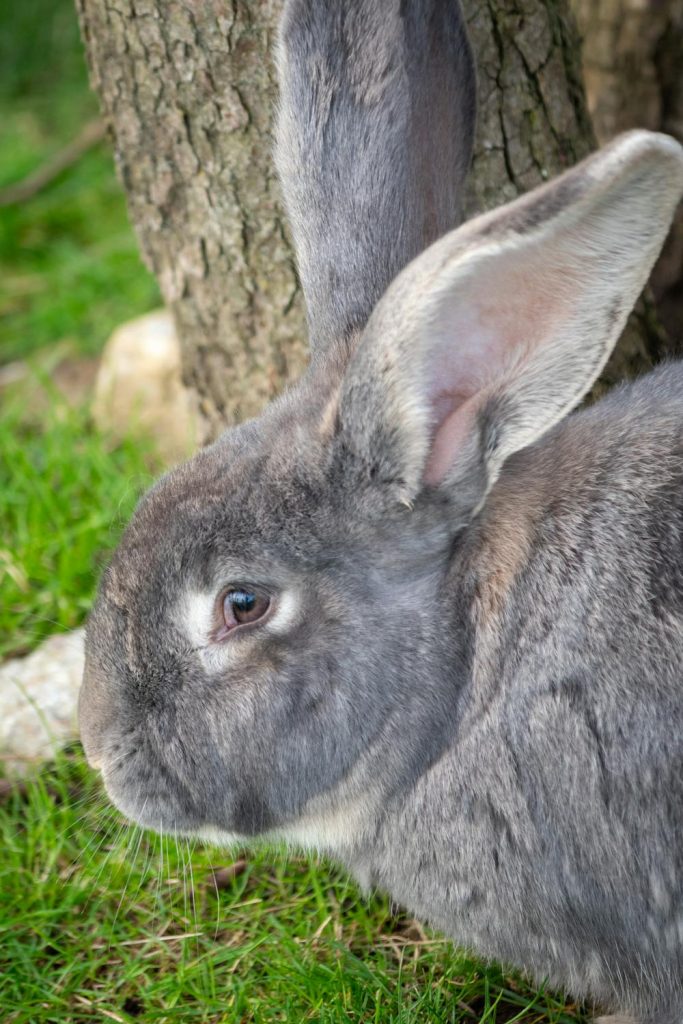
[(493, 334)]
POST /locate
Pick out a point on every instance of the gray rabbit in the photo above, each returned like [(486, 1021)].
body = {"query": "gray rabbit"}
[(415, 615)]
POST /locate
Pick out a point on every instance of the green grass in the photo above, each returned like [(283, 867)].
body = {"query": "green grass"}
[(65, 494), (69, 273), (69, 264)]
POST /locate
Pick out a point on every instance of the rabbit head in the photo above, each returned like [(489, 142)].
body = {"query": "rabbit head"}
[(275, 648)]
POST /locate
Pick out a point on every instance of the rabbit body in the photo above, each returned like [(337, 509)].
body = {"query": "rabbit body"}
[(548, 832), (497, 771), (415, 615)]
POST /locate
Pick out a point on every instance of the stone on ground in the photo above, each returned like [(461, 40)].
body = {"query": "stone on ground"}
[(38, 701), (139, 387)]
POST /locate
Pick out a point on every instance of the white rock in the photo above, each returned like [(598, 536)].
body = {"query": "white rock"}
[(38, 701), (139, 386)]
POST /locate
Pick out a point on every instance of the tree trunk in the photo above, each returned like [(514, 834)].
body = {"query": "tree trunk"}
[(188, 91), (633, 60), (532, 121)]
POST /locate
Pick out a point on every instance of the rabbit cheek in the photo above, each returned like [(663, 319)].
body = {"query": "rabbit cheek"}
[(196, 617), (102, 711), (94, 714)]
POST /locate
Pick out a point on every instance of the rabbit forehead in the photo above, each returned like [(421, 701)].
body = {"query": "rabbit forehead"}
[(246, 494)]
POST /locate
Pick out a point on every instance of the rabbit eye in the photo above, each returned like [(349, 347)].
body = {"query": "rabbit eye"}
[(244, 605)]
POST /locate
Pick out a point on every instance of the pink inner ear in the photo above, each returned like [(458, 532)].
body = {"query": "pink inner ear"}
[(482, 335), (451, 436)]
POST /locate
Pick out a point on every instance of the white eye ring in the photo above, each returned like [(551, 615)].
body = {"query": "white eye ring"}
[(285, 613), (196, 618)]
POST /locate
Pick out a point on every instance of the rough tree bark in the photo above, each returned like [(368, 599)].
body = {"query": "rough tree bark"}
[(187, 89), (633, 71)]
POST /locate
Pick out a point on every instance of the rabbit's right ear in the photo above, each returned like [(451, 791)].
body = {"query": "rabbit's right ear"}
[(494, 333), (374, 139)]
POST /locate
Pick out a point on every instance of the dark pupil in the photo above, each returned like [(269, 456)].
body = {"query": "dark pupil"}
[(242, 601)]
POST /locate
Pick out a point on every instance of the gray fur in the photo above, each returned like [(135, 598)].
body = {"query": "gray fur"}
[(375, 134), (470, 690)]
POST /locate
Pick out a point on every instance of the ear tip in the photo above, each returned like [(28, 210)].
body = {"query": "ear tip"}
[(639, 147)]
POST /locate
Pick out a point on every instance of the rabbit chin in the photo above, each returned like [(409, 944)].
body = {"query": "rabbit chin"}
[(336, 828), (329, 832)]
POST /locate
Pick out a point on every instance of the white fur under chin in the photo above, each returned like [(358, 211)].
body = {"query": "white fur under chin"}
[(217, 837), (333, 831), (326, 833)]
